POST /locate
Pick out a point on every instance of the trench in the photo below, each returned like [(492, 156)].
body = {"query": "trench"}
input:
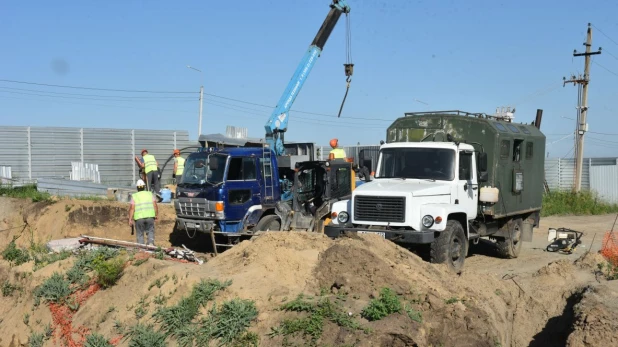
[(557, 329)]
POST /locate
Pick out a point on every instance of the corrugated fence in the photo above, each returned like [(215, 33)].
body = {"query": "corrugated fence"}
[(45, 152)]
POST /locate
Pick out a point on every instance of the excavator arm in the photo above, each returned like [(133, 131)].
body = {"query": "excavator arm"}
[(277, 124)]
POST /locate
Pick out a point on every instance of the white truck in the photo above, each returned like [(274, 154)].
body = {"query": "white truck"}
[(433, 185)]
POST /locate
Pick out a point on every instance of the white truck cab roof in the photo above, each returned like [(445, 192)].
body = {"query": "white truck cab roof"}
[(448, 145)]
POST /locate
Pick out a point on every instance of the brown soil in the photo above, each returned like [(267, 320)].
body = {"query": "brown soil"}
[(546, 300)]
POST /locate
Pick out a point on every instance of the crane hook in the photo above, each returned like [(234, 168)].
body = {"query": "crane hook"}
[(349, 71)]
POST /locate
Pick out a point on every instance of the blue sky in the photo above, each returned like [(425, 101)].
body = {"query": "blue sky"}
[(473, 55)]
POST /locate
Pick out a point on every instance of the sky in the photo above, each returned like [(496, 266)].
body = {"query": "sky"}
[(409, 56)]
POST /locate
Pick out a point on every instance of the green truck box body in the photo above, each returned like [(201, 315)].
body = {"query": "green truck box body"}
[(513, 150)]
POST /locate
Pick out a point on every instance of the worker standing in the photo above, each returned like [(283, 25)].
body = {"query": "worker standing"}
[(336, 153), (151, 169), (179, 164), (143, 213)]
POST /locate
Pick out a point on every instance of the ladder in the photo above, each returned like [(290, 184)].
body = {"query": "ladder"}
[(267, 170)]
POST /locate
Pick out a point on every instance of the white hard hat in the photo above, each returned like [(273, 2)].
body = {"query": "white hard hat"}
[(140, 183)]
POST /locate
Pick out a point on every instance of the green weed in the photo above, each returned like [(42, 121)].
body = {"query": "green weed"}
[(96, 340), (109, 271), (312, 325), (140, 261), (608, 270), (572, 203), (175, 317), (26, 319), (54, 289), (451, 300), (159, 282), (231, 320), (16, 256), (25, 192), (414, 315), (145, 336), (387, 303), (142, 307), (8, 289), (36, 339), (43, 259)]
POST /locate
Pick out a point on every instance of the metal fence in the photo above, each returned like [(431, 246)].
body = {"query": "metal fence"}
[(45, 152)]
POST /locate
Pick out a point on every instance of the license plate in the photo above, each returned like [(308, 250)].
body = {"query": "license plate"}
[(373, 232), (191, 225)]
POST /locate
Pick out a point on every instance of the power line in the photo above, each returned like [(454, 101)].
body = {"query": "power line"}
[(86, 98), (604, 34), (103, 96), (91, 88), (608, 70), (113, 106), (608, 134), (605, 51)]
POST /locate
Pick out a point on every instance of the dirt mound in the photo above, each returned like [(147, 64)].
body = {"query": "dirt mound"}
[(44, 221), (551, 306)]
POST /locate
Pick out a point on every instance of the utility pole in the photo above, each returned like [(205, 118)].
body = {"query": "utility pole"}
[(199, 123), (199, 126), (582, 126)]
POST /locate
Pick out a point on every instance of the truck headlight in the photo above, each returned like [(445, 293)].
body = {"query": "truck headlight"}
[(427, 221), (343, 217)]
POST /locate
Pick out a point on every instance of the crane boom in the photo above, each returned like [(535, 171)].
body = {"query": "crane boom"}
[(277, 124)]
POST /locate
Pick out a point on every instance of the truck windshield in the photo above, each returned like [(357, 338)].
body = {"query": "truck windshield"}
[(197, 172), (420, 163)]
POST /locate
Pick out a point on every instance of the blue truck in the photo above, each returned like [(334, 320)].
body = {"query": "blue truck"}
[(235, 190)]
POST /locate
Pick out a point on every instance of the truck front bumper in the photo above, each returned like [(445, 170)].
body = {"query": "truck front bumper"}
[(399, 236), (195, 224)]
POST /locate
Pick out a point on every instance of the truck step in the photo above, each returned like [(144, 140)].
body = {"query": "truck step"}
[(474, 236)]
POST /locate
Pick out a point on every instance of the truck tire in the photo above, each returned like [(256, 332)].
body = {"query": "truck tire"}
[(450, 247), (510, 247), (268, 223)]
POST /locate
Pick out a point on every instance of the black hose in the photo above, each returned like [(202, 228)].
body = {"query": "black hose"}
[(172, 156)]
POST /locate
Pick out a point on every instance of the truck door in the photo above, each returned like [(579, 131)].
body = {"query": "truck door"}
[(243, 187), (467, 187)]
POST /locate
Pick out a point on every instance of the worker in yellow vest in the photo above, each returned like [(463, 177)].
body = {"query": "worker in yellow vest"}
[(151, 169), (179, 165), (143, 213), (336, 153)]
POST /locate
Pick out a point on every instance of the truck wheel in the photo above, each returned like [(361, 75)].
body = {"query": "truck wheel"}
[(510, 247), (268, 223), (450, 247)]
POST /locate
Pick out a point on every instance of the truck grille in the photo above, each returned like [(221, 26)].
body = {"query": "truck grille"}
[(380, 209), (192, 209)]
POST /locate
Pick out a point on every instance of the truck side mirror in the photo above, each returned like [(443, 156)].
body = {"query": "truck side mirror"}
[(482, 161), (482, 169)]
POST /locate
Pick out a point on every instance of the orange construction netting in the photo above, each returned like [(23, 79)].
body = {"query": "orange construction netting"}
[(609, 248)]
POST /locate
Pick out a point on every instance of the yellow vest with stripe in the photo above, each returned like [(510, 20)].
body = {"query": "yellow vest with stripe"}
[(338, 152), (144, 207), (150, 163), (181, 165)]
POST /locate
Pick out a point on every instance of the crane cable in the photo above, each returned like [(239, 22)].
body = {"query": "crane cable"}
[(348, 66)]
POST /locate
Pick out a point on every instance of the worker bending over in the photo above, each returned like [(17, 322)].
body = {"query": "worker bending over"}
[(336, 153), (143, 213), (179, 164), (151, 169)]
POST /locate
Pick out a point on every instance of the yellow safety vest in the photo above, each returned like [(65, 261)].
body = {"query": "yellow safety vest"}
[(338, 152), (181, 165), (144, 207), (150, 163)]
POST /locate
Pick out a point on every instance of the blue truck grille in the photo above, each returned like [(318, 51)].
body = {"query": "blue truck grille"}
[(380, 209), (192, 209)]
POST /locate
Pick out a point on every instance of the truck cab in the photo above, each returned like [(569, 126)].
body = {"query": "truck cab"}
[(227, 190), (408, 201)]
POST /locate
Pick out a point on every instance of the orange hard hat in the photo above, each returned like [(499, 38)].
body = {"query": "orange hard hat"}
[(333, 143), (176, 151)]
